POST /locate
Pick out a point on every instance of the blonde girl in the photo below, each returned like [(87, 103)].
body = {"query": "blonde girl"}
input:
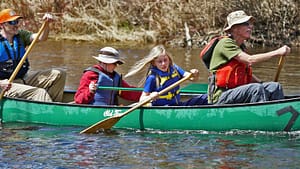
[(162, 72)]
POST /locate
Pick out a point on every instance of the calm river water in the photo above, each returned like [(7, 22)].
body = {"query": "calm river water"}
[(75, 57), (39, 146)]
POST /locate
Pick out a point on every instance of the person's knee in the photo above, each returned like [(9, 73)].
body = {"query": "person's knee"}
[(41, 91), (275, 90), (59, 72), (278, 85), (42, 95), (257, 88)]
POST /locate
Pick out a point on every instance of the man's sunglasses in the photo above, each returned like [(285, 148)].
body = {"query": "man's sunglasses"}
[(15, 22)]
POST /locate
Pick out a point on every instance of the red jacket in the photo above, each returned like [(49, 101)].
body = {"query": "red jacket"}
[(84, 96)]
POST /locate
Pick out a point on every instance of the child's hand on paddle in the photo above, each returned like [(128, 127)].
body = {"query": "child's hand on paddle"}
[(154, 95), (93, 87)]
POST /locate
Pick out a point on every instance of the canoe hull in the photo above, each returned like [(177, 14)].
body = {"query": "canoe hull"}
[(272, 116)]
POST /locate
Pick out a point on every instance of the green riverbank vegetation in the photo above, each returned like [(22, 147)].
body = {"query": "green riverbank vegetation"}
[(160, 21)]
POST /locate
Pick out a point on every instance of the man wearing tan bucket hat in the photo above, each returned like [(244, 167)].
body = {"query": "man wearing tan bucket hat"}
[(231, 80), (43, 85), (103, 74)]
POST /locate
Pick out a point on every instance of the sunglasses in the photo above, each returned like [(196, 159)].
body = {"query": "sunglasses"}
[(15, 22)]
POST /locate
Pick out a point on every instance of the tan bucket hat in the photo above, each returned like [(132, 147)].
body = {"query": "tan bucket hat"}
[(109, 55), (237, 17)]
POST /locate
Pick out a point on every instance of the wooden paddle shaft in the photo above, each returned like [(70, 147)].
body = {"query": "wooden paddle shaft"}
[(280, 65), (20, 64)]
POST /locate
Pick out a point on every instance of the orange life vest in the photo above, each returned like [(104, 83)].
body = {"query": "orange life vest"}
[(233, 74)]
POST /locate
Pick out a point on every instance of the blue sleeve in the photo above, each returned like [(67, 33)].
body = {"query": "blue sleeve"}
[(150, 84), (179, 70)]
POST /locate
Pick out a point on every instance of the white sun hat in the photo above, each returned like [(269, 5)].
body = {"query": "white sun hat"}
[(109, 55), (237, 17)]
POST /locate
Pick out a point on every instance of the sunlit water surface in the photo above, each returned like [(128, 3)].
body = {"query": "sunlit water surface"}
[(39, 146)]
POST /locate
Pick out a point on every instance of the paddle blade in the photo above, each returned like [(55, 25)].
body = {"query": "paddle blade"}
[(104, 124)]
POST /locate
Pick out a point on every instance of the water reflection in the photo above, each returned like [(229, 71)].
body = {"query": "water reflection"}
[(74, 57), (63, 147)]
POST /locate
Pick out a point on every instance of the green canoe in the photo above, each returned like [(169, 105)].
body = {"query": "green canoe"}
[(280, 115)]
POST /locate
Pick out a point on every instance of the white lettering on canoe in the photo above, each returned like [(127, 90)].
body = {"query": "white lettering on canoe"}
[(111, 112)]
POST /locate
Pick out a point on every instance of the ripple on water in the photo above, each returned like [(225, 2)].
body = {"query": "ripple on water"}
[(62, 147)]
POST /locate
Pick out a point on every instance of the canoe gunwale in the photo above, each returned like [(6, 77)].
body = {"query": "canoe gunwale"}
[(288, 99)]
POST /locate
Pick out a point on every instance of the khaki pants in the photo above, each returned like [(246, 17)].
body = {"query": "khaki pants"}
[(45, 85)]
